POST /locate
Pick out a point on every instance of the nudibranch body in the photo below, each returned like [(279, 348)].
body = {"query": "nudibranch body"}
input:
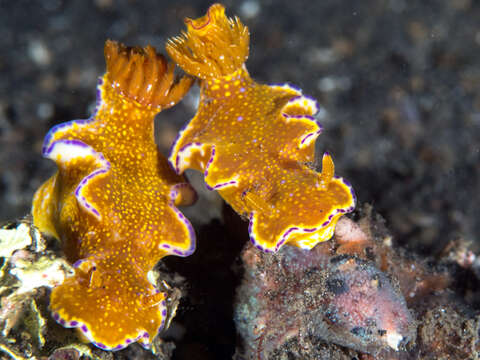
[(112, 203), (254, 142)]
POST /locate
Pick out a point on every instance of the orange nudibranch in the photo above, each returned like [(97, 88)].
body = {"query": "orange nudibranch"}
[(112, 203), (254, 142)]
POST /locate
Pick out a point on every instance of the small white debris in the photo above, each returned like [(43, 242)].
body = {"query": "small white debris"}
[(322, 56), (45, 111), (334, 83), (43, 272), (39, 53), (394, 339), (249, 9), (14, 239)]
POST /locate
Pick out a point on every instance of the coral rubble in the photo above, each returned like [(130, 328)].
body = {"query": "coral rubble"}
[(352, 292)]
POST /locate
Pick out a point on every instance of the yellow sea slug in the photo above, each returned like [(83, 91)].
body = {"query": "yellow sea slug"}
[(254, 142), (112, 203)]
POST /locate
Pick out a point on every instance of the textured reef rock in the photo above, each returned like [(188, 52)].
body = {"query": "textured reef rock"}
[(30, 267), (354, 297), (27, 270), (341, 299)]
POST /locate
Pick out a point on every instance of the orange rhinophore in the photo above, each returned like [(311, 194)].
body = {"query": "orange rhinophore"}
[(254, 142), (112, 203)]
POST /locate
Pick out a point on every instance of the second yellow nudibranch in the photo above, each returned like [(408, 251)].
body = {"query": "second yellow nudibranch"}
[(112, 203), (253, 142)]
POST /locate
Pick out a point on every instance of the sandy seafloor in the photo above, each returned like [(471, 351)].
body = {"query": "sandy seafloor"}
[(398, 82)]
